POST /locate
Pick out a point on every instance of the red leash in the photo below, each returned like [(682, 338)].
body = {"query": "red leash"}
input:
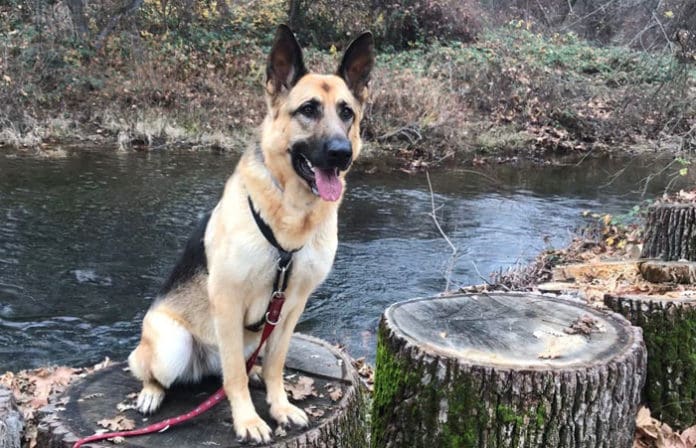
[(272, 317)]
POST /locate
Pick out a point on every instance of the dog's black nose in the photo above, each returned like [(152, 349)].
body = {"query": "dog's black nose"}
[(339, 152)]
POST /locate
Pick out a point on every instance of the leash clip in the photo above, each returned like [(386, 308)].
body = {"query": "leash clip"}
[(282, 273), (269, 321)]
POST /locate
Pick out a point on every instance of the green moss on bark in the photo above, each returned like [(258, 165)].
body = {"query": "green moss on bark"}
[(669, 331), (410, 400)]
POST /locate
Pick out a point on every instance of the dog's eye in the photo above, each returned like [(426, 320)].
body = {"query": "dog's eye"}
[(309, 110), (346, 113)]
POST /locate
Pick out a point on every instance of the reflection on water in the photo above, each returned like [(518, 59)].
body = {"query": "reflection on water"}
[(86, 240)]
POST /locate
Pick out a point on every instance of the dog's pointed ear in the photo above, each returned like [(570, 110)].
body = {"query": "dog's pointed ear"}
[(285, 64), (357, 64)]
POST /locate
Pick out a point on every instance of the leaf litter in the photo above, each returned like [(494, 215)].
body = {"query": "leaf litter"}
[(35, 388), (651, 433), (300, 388)]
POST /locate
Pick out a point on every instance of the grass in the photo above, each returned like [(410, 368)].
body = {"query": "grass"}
[(512, 91)]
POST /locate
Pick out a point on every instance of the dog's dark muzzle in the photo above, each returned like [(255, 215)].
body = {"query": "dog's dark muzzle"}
[(339, 153)]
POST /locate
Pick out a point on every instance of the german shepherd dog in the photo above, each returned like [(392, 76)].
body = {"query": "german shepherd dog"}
[(294, 180)]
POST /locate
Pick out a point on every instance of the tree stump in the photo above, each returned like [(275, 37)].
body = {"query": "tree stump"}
[(336, 410), (505, 370), (669, 331), (11, 421), (670, 232), (682, 272)]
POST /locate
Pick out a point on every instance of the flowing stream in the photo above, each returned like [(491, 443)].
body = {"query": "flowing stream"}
[(86, 239)]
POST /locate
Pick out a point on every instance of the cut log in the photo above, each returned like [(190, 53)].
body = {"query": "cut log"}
[(669, 331), (505, 370), (11, 421), (602, 270), (683, 272), (336, 410), (670, 232)]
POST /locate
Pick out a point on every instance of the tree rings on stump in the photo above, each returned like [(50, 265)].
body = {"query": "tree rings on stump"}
[(669, 331), (505, 370), (334, 402)]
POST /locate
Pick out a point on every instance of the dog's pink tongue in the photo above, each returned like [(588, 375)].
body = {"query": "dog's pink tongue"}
[(328, 184)]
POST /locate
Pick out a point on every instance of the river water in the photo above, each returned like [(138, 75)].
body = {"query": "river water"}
[(86, 239)]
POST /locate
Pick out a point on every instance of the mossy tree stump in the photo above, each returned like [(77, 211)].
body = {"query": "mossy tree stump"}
[(670, 232), (336, 410), (505, 370), (669, 331)]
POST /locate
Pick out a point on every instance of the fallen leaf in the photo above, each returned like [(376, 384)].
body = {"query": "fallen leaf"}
[(118, 423), (314, 411), (301, 389), (335, 393), (689, 436), (50, 380), (584, 325)]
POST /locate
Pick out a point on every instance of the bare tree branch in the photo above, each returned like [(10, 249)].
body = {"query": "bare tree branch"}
[(455, 251)]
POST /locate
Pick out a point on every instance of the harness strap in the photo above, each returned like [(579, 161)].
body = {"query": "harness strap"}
[(284, 261), (269, 322)]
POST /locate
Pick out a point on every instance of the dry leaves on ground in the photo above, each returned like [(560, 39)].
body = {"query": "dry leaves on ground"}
[(118, 423), (584, 325), (300, 388), (34, 388), (366, 372), (680, 196), (335, 391), (651, 433), (314, 411)]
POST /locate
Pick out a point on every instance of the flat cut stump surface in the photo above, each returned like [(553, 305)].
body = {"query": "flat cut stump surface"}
[(96, 397), (505, 370)]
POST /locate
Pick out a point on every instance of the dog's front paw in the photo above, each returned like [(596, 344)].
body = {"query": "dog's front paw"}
[(150, 398), (253, 429), (285, 414)]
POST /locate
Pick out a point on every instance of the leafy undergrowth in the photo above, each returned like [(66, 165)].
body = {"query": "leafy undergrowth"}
[(511, 91)]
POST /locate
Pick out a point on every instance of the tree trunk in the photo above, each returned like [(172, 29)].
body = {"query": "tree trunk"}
[(11, 421), (126, 11), (336, 411), (671, 232), (294, 7), (505, 370), (77, 13), (669, 330)]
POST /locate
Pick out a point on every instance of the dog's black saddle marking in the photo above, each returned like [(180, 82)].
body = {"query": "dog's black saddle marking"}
[(192, 261)]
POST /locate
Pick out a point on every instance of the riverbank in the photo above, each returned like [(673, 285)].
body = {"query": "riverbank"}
[(511, 93), (604, 260)]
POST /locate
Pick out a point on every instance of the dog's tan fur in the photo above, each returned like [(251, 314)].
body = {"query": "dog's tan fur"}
[(199, 327)]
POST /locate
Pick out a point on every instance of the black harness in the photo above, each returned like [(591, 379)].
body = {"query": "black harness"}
[(280, 283)]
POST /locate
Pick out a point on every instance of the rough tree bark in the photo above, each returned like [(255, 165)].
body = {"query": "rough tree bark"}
[(671, 232), (336, 411), (669, 330), (505, 370), (11, 421)]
